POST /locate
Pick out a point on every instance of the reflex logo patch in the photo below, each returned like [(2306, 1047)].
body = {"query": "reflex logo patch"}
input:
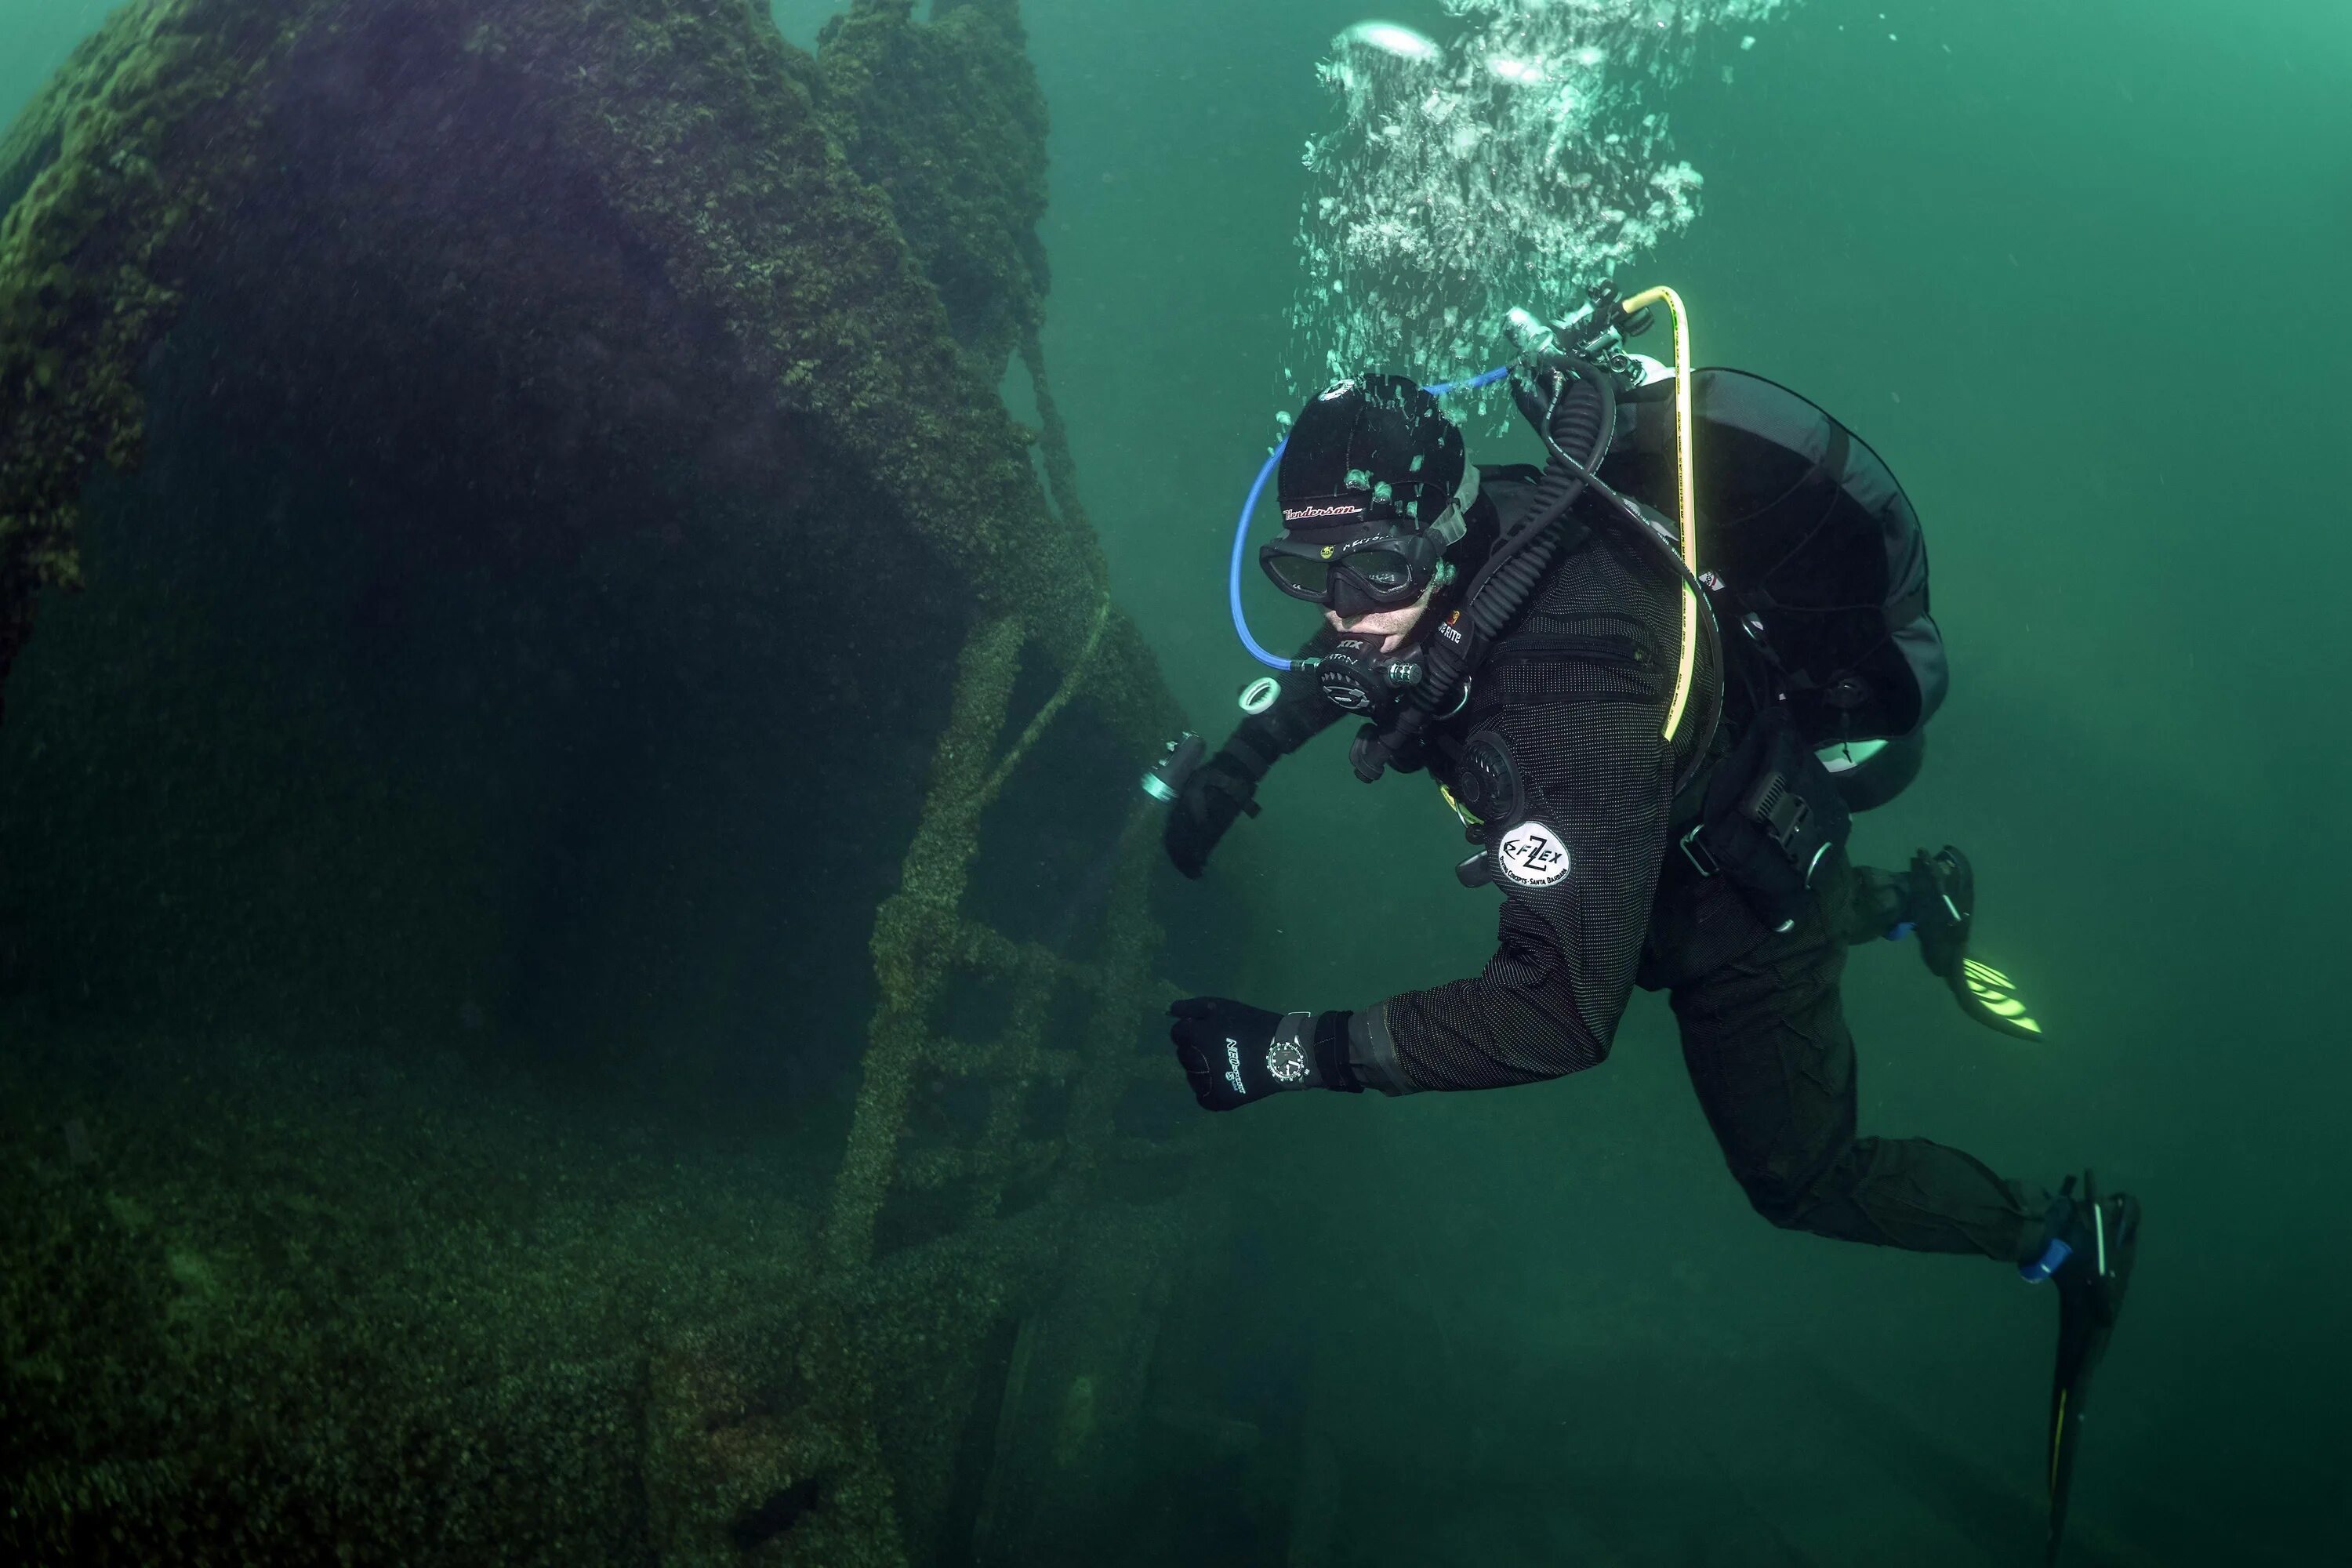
[(1532, 856), (1234, 1065)]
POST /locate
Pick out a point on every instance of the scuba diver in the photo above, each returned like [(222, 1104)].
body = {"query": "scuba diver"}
[(1656, 757)]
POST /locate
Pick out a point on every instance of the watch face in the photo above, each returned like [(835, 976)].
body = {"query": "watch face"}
[(1286, 1062)]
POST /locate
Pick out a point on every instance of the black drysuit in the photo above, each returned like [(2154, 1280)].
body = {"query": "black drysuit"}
[(1575, 697)]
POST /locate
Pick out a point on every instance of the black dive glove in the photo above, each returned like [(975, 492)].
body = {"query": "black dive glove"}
[(1220, 790), (1235, 1054)]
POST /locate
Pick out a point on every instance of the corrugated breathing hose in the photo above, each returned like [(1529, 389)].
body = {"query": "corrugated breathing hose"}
[(1581, 417)]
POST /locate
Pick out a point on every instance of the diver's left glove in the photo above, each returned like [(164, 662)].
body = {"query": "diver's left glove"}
[(1235, 1054), (1219, 791)]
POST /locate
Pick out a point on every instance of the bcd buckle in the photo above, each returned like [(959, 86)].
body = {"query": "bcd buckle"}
[(1695, 851), (1780, 811)]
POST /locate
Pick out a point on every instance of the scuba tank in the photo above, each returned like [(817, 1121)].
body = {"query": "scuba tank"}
[(1816, 566), (1816, 562)]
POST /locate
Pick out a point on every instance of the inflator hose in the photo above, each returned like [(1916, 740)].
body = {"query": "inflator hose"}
[(1582, 417)]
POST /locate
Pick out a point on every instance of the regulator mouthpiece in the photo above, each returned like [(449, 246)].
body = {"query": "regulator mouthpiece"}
[(1177, 763)]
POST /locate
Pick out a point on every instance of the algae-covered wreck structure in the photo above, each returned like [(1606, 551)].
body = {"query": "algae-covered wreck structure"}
[(520, 595)]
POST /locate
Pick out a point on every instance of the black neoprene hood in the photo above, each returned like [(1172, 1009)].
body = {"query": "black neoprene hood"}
[(1374, 449)]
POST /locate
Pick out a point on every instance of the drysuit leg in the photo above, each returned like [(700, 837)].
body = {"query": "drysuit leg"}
[(1764, 1038)]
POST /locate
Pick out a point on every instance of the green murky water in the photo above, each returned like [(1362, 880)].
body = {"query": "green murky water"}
[(2074, 269)]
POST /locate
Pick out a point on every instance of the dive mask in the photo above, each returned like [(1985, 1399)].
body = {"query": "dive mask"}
[(1366, 565), (1352, 577)]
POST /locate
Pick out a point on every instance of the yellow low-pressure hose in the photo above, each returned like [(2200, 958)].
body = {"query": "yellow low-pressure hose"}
[(1684, 483)]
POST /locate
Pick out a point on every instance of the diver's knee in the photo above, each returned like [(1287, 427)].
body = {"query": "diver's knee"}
[(1779, 1207), (1783, 1201)]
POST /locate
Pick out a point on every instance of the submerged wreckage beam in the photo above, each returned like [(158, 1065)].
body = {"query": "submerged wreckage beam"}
[(673, 263)]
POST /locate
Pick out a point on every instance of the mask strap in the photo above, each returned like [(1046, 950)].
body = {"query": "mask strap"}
[(1454, 522)]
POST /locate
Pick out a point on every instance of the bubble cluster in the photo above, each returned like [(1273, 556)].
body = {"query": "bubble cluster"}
[(1509, 167)]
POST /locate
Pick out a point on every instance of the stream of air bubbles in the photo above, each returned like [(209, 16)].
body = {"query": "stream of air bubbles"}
[(1511, 165)]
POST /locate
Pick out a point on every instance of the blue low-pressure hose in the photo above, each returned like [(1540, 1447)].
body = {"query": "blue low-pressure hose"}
[(1234, 578), (1249, 510), (1482, 380)]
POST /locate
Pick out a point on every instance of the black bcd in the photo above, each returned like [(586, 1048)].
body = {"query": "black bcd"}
[(1814, 556)]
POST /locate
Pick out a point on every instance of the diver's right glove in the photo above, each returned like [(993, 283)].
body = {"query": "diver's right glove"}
[(1219, 791), (1235, 1055)]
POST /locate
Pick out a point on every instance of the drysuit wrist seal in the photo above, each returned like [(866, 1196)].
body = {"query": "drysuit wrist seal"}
[(1332, 1065)]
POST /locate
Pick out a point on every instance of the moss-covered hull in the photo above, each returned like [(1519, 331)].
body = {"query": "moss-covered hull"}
[(518, 598)]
